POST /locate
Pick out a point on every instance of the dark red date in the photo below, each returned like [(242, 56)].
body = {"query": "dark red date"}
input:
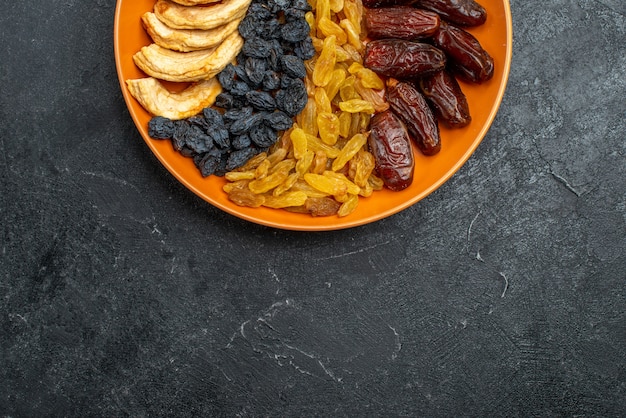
[(402, 59), (412, 109), (460, 12), (467, 57), (446, 98), (400, 23), (386, 3), (390, 144)]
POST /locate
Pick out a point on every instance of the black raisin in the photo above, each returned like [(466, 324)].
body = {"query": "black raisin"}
[(197, 159), (305, 49), (242, 126), (263, 135), (293, 66), (302, 5), (239, 157), (261, 100), (224, 100), (255, 70), (196, 139), (241, 141), (295, 31), (180, 130), (278, 5), (256, 47), (221, 166), (161, 128), (292, 99), (226, 77), (235, 114), (271, 29), (212, 116), (209, 163), (249, 26), (285, 81), (197, 120), (276, 52), (187, 152), (240, 88), (293, 14), (279, 120), (271, 80), (259, 11), (220, 137)]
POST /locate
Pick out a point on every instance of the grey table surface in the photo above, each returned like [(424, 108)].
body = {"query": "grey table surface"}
[(501, 294)]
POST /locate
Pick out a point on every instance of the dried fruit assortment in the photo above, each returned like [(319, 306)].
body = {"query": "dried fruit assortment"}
[(321, 101)]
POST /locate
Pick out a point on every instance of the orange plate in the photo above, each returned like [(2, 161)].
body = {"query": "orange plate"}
[(430, 172)]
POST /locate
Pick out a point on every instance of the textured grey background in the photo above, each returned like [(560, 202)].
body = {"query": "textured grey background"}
[(501, 294)]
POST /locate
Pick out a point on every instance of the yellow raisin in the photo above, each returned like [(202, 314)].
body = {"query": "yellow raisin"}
[(350, 186), (325, 64), (262, 169), (286, 199), (363, 168), (299, 142), (277, 156), (243, 197), (310, 19), (336, 6), (303, 186), (239, 175), (326, 184), (375, 97), (367, 190), (319, 162), (237, 185), (328, 28), (349, 150), (349, 205), (284, 165), (322, 101), (353, 52), (369, 79), (337, 78), (345, 120), (347, 90), (364, 121), (253, 162), (355, 67), (286, 185), (356, 106), (376, 182), (353, 10), (315, 144), (303, 164), (307, 119), (328, 124), (321, 206), (322, 9), (268, 182)]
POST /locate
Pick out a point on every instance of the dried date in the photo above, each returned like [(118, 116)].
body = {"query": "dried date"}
[(400, 23), (460, 12), (402, 59), (446, 98), (411, 107), (386, 3), (468, 59), (390, 144)]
